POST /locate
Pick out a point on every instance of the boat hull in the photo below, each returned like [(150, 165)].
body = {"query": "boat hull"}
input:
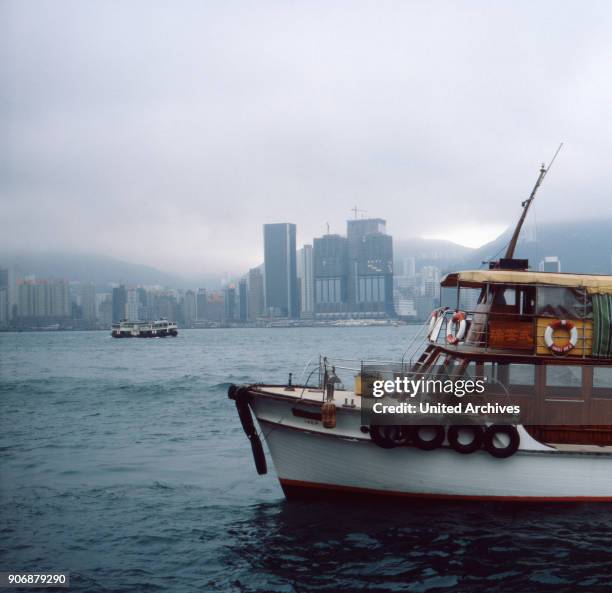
[(311, 461)]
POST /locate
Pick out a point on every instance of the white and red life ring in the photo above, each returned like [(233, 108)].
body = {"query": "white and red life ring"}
[(433, 318), (456, 328), (549, 336)]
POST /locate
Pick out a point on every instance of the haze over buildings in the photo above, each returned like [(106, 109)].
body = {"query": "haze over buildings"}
[(168, 140)]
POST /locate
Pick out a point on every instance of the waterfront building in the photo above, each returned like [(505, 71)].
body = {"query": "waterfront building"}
[(230, 303), (281, 285), (132, 305), (330, 270), (243, 301), (550, 264), (4, 297), (189, 308), (256, 294), (88, 302), (105, 310), (201, 301), (119, 302), (305, 274)]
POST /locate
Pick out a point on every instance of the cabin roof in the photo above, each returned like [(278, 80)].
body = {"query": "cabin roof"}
[(595, 284)]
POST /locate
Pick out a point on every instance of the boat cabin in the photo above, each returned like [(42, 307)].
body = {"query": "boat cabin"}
[(546, 337)]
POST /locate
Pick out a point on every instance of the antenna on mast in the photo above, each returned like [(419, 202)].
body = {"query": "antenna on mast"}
[(327, 227), (356, 211), (527, 203)]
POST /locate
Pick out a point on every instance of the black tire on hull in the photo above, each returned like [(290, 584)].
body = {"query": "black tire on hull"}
[(380, 436), (427, 444), (242, 398), (510, 449), (465, 448)]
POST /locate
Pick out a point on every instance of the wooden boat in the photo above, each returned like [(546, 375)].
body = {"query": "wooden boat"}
[(546, 337)]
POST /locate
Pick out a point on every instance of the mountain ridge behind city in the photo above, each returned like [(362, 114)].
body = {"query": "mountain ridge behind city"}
[(581, 246)]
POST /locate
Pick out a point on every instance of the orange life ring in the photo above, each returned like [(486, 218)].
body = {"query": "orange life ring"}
[(549, 336)]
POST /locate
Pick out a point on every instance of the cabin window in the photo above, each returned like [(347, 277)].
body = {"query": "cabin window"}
[(563, 380), (518, 379), (563, 303), (522, 374), (602, 382)]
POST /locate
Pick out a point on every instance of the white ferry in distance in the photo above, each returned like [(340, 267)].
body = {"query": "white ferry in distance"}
[(161, 328)]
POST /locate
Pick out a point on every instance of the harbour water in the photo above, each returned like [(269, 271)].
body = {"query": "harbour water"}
[(124, 463)]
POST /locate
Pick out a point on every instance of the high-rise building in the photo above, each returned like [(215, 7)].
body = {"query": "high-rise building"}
[(370, 267), (353, 276), (132, 305), (201, 301), (43, 299), (430, 281), (4, 297), (105, 310), (119, 302), (243, 300), (88, 301), (550, 264), (215, 307), (189, 308), (281, 286), (409, 267), (230, 303), (330, 270), (305, 275), (256, 294)]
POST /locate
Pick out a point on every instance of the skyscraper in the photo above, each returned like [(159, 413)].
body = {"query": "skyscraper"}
[(306, 279), (189, 308), (88, 301), (201, 300), (132, 305), (119, 301), (281, 286), (256, 294), (330, 264), (550, 264), (230, 303), (4, 297), (243, 302)]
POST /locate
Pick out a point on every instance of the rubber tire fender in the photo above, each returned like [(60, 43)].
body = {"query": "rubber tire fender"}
[(427, 445), (378, 434), (258, 455), (510, 431), (453, 438)]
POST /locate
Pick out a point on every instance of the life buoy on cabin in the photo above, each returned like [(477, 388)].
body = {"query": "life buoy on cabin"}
[(456, 328), (567, 346), (433, 319)]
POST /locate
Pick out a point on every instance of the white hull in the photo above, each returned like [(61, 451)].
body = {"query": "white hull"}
[(310, 458)]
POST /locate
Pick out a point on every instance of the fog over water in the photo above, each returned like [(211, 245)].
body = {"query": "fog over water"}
[(167, 133)]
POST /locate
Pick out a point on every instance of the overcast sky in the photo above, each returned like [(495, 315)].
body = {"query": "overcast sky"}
[(167, 133)]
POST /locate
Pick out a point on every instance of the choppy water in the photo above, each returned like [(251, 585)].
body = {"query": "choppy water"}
[(123, 462)]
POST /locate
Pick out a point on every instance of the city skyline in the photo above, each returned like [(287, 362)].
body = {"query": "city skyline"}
[(336, 277)]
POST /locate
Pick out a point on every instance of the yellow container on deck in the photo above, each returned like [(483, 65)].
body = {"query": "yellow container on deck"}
[(357, 384)]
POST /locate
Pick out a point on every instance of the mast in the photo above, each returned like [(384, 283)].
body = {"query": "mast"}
[(526, 204)]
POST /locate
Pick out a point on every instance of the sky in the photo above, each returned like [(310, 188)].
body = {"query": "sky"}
[(167, 133)]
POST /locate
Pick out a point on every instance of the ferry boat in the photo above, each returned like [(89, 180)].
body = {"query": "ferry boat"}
[(546, 338), (161, 328)]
